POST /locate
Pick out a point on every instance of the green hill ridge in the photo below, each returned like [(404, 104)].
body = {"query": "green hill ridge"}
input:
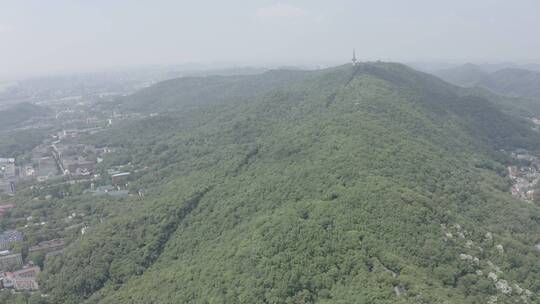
[(371, 183)]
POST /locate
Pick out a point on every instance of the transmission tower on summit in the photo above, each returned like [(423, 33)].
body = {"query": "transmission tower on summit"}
[(353, 57)]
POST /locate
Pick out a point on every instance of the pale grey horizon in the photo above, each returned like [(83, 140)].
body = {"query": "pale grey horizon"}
[(43, 37)]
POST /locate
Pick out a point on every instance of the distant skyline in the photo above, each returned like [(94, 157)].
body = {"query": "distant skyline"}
[(60, 36)]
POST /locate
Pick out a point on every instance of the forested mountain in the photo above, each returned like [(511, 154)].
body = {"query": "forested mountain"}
[(466, 75), (189, 92), (508, 81), (371, 183), (519, 88), (16, 114), (514, 82)]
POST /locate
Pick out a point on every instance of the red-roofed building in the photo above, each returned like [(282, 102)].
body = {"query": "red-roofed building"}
[(24, 279)]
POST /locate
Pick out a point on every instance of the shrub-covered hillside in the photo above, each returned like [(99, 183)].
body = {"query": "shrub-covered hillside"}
[(365, 184)]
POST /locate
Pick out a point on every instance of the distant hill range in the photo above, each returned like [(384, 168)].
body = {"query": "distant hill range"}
[(517, 82), (515, 88)]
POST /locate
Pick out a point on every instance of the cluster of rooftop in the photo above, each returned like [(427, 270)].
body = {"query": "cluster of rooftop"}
[(525, 175), (8, 175)]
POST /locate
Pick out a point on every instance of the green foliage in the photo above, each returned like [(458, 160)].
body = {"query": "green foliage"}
[(19, 142), (38, 258), (194, 92), (337, 188), (21, 112), (7, 297)]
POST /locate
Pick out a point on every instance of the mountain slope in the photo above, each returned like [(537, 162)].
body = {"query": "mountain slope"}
[(176, 94), (362, 184), (519, 88), (466, 75), (514, 82), (18, 113)]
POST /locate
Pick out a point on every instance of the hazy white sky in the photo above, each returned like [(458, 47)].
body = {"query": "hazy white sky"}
[(43, 36)]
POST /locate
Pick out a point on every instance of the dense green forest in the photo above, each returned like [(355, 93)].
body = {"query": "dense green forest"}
[(18, 142), (212, 90), (21, 112), (371, 183)]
